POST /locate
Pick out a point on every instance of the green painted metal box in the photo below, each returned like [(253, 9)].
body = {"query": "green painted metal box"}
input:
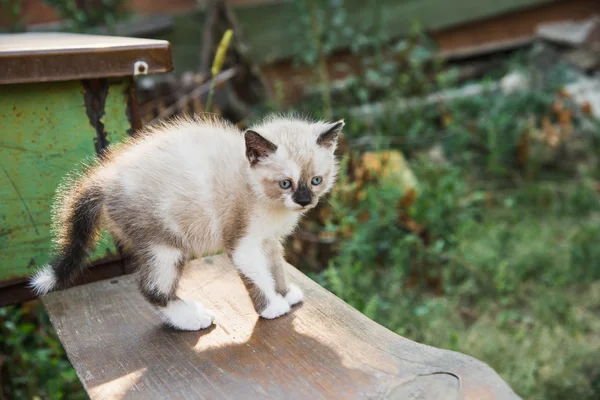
[(63, 99)]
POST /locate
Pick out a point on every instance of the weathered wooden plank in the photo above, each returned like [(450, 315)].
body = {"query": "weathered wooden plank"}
[(512, 26), (45, 134), (324, 349)]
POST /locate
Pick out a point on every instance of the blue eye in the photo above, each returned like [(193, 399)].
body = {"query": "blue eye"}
[(285, 184), (316, 180)]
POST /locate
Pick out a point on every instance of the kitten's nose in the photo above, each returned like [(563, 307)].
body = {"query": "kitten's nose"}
[(303, 202), (303, 195)]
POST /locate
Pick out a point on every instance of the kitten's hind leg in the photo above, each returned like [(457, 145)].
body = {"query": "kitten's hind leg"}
[(253, 266), (159, 276)]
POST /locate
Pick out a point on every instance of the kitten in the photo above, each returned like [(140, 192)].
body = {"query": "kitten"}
[(193, 187)]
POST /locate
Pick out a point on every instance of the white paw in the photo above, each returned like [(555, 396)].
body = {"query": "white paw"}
[(276, 308), (294, 296), (187, 315)]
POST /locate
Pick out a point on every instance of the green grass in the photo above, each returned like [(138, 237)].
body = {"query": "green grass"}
[(519, 276)]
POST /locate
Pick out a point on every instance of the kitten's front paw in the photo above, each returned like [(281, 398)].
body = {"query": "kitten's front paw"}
[(276, 308), (294, 295), (187, 315)]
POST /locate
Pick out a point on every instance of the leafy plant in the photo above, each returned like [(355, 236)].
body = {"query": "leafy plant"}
[(218, 64), (34, 361), (85, 14)]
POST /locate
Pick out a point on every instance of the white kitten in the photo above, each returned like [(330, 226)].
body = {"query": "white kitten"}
[(193, 187)]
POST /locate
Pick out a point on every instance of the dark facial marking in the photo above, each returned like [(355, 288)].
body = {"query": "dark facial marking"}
[(303, 195), (257, 147), (329, 137)]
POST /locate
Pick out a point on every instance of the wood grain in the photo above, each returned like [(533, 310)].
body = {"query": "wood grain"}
[(324, 349)]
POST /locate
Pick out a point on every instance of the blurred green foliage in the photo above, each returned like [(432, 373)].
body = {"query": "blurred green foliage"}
[(519, 286), (34, 362), (85, 14), (12, 14), (508, 269), (77, 16)]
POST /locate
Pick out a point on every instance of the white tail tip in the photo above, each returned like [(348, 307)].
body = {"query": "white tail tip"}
[(43, 281)]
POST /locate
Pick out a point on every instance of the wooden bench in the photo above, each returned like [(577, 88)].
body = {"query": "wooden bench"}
[(324, 349)]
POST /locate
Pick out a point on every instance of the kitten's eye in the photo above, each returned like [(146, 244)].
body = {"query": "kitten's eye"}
[(285, 184), (316, 180)]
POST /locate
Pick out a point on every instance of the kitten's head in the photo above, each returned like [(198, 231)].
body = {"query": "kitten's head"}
[(291, 161)]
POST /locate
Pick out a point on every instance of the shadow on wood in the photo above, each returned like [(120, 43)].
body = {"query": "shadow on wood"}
[(324, 349)]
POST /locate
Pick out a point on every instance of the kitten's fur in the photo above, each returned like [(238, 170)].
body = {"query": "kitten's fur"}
[(194, 187)]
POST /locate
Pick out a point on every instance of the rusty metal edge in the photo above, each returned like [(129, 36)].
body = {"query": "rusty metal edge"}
[(78, 76), (17, 291), (94, 99), (161, 62), (132, 111)]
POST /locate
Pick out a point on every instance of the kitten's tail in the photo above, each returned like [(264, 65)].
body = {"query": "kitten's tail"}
[(77, 218)]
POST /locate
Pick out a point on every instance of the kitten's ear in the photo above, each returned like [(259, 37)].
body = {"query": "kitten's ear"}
[(257, 147), (330, 136)]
